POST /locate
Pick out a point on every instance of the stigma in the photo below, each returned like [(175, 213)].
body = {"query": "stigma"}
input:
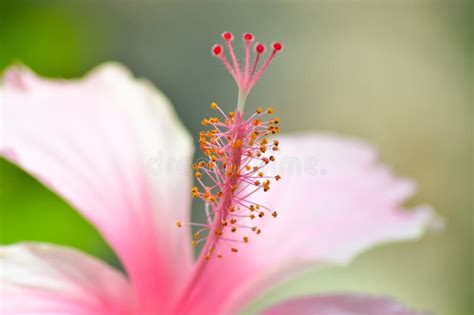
[(247, 75), (237, 148)]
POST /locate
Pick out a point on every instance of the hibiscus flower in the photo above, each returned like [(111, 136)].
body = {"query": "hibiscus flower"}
[(95, 141)]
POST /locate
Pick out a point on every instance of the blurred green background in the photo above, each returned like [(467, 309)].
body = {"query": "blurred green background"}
[(397, 73)]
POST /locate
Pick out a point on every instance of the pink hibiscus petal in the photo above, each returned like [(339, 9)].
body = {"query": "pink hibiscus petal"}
[(340, 304), (45, 279), (112, 146), (333, 202)]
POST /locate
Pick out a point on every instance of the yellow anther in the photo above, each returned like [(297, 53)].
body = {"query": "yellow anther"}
[(237, 143), (198, 175), (257, 183), (233, 229), (270, 110), (213, 105), (278, 177), (259, 110), (246, 239), (233, 220), (272, 158), (252, 216), (205, 122), (233, 249), (252, 208), (179, 223), (260, 174), (193, 243), (266, 185), (231, 114), (261, 214), (219, 256), (248, 167), (274, 214), (197, 235)]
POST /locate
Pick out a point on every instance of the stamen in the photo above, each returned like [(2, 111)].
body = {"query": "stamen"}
[(236, 151)]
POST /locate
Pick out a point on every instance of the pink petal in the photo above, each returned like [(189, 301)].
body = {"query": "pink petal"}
[(333, 202), (45, 279), (342, 304), (112, 146)]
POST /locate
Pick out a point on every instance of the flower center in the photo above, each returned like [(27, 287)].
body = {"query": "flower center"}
[(236, 151)]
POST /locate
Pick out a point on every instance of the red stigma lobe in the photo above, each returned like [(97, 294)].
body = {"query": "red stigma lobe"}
[(260, 48), (227, 36), (277, 46), (248, 37), (217, 50)]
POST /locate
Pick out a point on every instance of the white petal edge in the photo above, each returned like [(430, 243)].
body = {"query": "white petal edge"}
[(38, 278)]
